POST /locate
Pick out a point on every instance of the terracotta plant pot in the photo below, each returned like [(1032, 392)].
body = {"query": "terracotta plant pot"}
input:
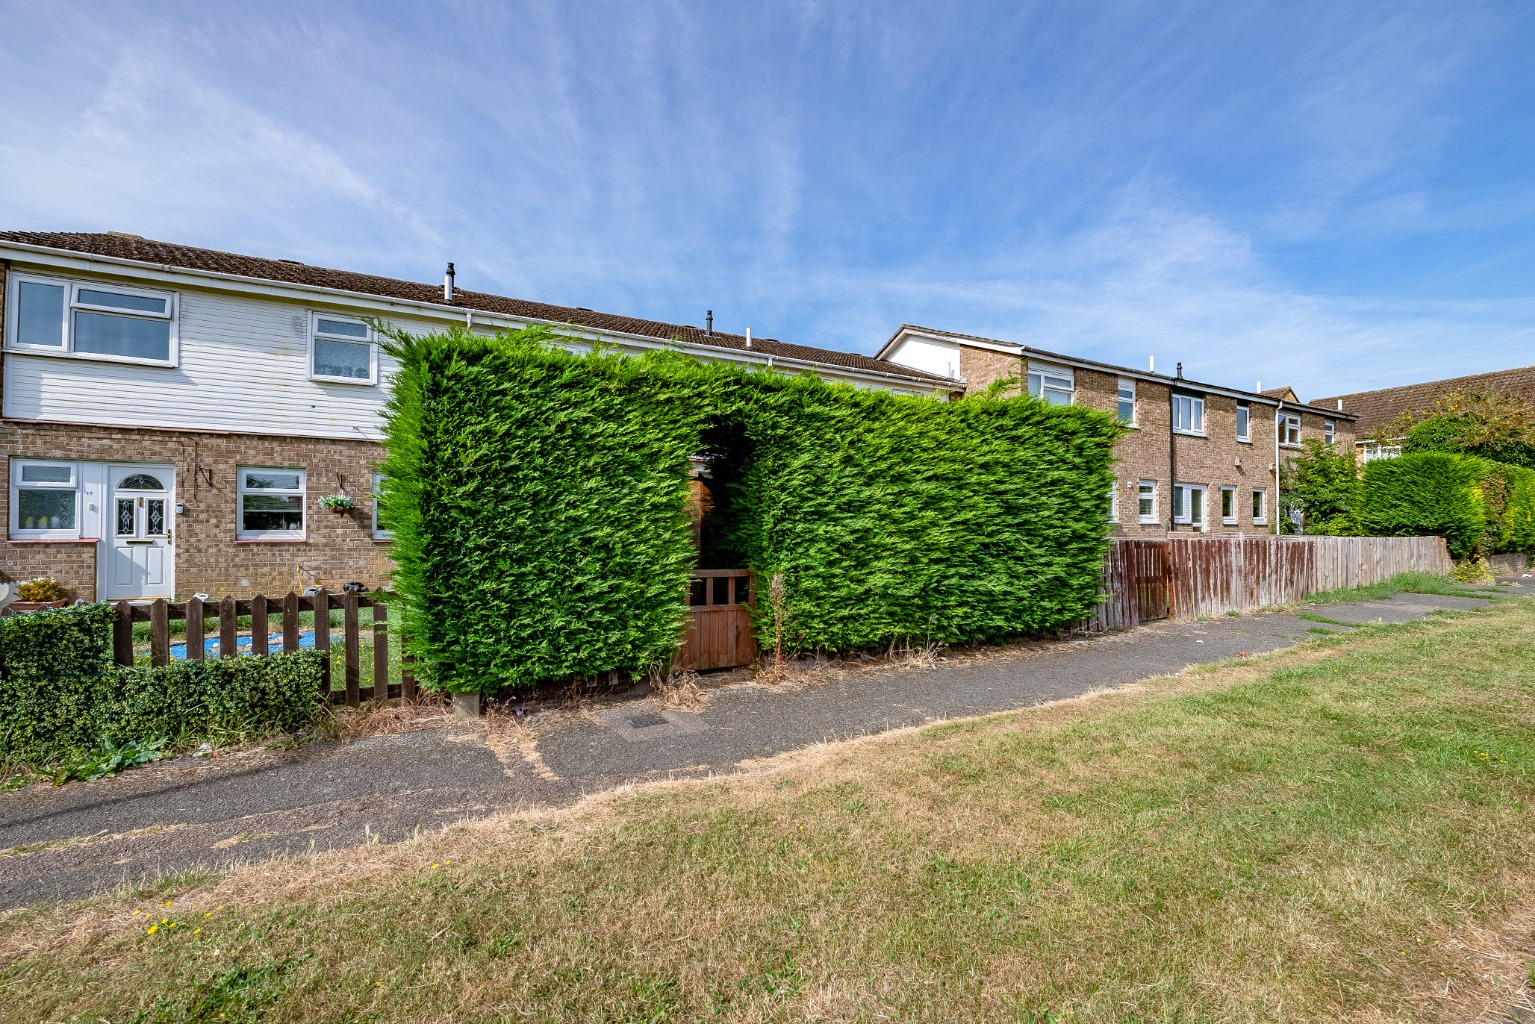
[(17, 607)]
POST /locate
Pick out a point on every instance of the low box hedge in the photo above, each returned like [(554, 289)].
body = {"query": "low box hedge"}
[(60, 692)]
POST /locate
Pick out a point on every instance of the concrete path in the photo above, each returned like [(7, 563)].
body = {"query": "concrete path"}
[(72, 841)]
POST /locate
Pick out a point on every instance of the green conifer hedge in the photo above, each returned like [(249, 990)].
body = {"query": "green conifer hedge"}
[(538, 501), (1473, 503)]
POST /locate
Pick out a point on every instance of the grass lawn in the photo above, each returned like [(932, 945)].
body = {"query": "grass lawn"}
[(1326, 834)]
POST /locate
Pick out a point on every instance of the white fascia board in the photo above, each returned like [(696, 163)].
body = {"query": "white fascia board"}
[(948, 339), (90, 263)]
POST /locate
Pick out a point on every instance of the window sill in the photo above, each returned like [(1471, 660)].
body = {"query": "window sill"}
[(382, 540), (1150, 522), (1228, 522), (1188, 433), (1244, 440), (1285, 444), (356, 382), (89, 357), (271, 540), (52, 540), (1260, 522)]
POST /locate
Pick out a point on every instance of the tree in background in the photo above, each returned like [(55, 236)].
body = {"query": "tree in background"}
[(1488, 424), (1323, 483)]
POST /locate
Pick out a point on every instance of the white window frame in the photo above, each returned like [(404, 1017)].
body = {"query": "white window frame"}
[(1229, 492), (17, 486), (1037, 386), (1196, 406), (1285, 422), (1181, 495), (1113, 516), (378, 533), (1247, 409), (1261, 509), (371, 341), (241, 533), (72, 304), (1329, 432), (1373, 450), (1126, 384), (1140, 492)]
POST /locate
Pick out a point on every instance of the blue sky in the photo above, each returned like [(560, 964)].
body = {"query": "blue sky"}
[(1332, 195)]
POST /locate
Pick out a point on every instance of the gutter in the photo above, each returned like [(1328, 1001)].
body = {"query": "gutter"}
[(1275, 510)]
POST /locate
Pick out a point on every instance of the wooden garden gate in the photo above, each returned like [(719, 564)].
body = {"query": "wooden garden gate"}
[(719, 621)]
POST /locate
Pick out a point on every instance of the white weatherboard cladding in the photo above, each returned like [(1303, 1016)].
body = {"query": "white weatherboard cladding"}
[(242, 368), (930, 356)]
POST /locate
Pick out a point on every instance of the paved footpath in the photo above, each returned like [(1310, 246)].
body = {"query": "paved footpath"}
[(83, 838)]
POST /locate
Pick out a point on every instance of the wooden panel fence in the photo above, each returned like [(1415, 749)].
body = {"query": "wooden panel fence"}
[(1189, 577), (234, 638)]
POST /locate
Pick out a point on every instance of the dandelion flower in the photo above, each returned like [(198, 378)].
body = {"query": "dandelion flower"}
[(152, 929), (435, 866), (195, 931), (136, 913)]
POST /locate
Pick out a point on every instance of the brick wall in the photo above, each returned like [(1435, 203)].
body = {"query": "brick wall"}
[(980, 366), (336, 549)]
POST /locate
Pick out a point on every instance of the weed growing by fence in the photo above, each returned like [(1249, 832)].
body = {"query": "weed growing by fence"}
[(538, 503)]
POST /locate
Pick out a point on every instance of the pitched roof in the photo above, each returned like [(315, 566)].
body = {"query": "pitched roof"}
[(1377, 408), (131, 247), (1274, 395)]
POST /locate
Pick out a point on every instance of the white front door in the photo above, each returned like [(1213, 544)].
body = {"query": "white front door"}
[(140, 514)]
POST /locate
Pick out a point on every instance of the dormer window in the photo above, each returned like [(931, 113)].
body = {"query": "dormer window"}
[(1054, 384), (342, 350), (94, 321)]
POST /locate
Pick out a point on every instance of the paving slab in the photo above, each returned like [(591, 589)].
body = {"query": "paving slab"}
[(75, 840)]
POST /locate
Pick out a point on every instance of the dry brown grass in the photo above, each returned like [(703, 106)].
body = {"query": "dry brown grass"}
[(1302, 837)]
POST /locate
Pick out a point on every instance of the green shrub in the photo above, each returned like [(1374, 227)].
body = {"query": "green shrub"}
[(1323, 482), (538, 501), (53, 667), (60, 695), (1429, 494)]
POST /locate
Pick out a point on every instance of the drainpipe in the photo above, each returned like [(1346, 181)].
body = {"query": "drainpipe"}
[(1274, 510), (1172, 460)]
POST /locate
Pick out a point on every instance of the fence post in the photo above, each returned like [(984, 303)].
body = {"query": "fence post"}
[(122, 635), (194, 628), (159, 633), (229, 644), (351, 663), (258, 625), (290, 622), (380, 651), (322, 634)]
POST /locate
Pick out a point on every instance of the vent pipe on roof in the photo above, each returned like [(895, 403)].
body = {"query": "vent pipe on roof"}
[(1340, 405), (1258, 386), (1180, 371), (749, 345), (709, 322), (447, 285), (1152, 364)]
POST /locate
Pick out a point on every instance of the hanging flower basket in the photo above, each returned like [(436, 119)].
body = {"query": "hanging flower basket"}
[(337, 503)]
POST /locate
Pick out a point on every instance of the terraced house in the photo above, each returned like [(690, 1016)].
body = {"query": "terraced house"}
[(1196, 457), (174, 417)]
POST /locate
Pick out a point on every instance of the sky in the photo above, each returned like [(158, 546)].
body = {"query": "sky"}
[(1331, 195)]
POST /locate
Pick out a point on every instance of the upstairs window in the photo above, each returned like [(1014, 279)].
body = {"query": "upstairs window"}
[(341, 349), (45, 499), (1127, 401), (1329, 431), (97, 321), (1054, 384), (1244, 422), (1188, 414), (271, 504), (1289, 431)]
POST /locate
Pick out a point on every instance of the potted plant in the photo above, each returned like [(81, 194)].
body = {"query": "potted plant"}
[(337, 503), (37, 594)]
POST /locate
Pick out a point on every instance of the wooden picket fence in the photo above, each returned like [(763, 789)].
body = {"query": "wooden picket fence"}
[(1191, 577), (263, 612)]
